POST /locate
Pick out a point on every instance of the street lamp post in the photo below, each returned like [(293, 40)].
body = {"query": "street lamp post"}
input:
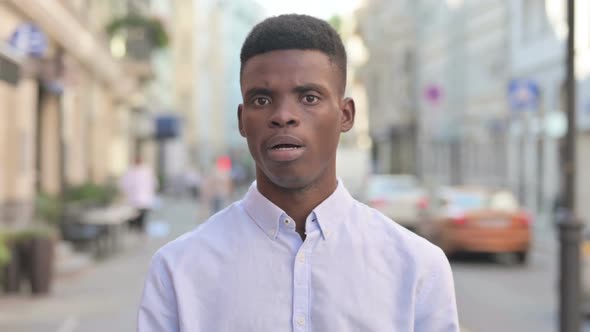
[(569, 226)]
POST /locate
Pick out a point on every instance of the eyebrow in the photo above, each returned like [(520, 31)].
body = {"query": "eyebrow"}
[(298, 89), (309, 86)]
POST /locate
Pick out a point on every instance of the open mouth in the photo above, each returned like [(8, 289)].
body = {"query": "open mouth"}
[(282, 148), (286, 147)]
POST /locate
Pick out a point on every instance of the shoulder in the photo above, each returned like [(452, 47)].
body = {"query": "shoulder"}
[(407, 245), (423, 262), (209, 234)]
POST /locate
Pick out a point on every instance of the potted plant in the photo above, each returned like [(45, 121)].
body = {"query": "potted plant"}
[(9, 264), (90, 194), (75, 201), (4, 251), (48, 208), (36, 247)]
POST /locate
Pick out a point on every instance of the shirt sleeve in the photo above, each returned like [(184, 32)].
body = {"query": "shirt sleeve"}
[(436, 306), (158, 308)]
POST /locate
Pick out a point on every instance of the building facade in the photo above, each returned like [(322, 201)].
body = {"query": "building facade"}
[(473, 127), (60, 116), (210, 34), (538, 45), (390, 78)]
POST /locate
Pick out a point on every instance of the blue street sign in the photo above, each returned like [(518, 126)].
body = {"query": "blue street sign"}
[(523, 94), (167, 126), (29, 40)]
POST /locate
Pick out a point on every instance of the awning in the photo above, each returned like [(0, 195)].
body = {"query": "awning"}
[(10, 69)]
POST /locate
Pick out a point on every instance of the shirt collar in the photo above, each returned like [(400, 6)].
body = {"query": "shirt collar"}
[(264, 212), (329, 213), (333, 210)]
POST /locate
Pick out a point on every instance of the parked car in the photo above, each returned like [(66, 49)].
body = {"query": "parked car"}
[(479, 220), (398, 196)]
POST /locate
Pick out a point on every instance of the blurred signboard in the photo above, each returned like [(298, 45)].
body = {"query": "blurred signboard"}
[(167, 126), (9, 70), (555, 124), (433, 93), (28, 39), (523, 95)]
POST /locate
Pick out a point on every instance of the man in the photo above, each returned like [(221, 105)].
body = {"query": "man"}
[(139, 187), (298, 253)]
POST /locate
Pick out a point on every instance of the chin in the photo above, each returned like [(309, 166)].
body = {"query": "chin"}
[(292, 178), (291, 182)]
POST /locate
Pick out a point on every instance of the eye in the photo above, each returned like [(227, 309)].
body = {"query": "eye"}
[(311, 99), (261, 101)]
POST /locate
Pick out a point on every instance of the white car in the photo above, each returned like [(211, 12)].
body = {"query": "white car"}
[(398, 196)]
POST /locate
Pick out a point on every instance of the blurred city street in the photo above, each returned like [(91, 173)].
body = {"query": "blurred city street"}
[(492, 294), (468, 130), (495, 295), (105, 295)]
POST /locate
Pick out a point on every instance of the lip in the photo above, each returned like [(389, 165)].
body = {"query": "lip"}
[(286, 154)]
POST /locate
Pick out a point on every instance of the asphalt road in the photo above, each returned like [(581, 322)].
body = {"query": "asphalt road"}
[(497, 295)]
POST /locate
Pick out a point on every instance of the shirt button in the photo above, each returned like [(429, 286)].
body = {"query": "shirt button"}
[(300, 321), (301, 258)]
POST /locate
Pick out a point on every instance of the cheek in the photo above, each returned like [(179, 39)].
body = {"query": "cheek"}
[(250, 128), (328, 133), (252, 145)]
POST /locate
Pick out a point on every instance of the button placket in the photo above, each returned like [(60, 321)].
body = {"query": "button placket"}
[(301, 284), (301, 257)]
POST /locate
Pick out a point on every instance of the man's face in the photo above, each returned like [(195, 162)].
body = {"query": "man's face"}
[(292, 115)]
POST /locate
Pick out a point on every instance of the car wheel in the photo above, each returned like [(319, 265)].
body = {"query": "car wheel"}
[(521, 257)]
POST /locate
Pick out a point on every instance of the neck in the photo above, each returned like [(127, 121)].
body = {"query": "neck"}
[(298, 203)]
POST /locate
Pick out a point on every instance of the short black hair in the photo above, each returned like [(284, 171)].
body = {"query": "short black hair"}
[(294, 31)]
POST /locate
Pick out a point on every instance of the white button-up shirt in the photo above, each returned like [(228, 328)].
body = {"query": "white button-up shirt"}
[(247, 269)]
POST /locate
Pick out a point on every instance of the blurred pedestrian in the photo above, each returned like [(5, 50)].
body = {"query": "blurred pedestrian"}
[(298, 252), (139, 185), (193, 180), (218, 186)]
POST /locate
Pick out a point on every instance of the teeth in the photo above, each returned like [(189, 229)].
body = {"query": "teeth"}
[(286, 148)]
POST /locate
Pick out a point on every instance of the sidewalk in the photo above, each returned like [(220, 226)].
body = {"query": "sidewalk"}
[(544, 236), (105, 295)]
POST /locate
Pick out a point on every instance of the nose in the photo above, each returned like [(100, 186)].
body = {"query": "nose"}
[(284, 115)]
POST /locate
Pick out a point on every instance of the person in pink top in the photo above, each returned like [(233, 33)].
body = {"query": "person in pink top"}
[(138, 185)]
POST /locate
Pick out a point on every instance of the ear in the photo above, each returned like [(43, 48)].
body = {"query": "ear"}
[(240, 123), (347, 110)]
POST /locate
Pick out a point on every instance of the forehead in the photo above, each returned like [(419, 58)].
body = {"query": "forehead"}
[(289, 67)]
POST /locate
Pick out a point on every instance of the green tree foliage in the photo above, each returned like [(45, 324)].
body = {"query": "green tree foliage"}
[(156, 31), (336, 22)]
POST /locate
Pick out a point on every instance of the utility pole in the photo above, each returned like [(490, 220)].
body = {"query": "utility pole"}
[(569, 226)]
